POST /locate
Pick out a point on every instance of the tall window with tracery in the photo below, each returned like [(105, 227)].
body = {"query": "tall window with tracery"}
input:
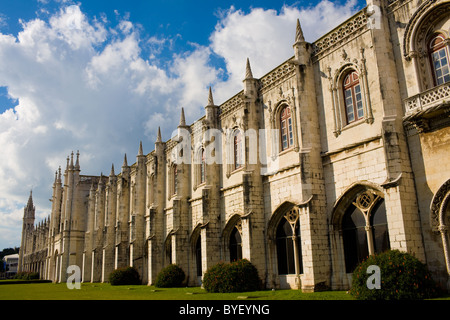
[(202, 169), (235, 245), (285, 238), (175, 179), (237, 149), (356, 230), (439, 59), (287, 137), (353, 97)]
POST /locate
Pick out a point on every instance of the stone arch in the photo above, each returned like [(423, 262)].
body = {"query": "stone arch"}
[(194, 242), (286, 215), (167, 245), (363, 200), (420, 27), (420, 23), (233, 222), (347, 196), (56, 261), (440, 220), (276, 217), (438, 207)]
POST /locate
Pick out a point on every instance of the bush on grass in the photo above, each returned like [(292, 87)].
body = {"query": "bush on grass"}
[(124, 276), (237, 276), (402, 276), (26, 275), (170, 277)]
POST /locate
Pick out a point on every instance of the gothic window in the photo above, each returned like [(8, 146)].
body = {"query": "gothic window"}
[(198, 256), (354, 109), (235, 245), (174, 179), (237, 142), (439, 59), (287, 137), (354, 236), (285, 247), (356, 231), (200, 167), (378, 222), (169, 250)]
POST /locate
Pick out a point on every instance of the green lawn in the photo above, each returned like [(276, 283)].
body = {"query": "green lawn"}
[(104, 291)]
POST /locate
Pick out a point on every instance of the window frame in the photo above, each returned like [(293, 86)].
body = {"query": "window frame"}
[(433, 49), (354, 250), (174, 179), (356, 104), (235, 245), (286, 123), (284, 246), (237, 150)]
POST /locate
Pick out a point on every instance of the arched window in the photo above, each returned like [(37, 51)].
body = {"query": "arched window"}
[(169, 250), (174, 179), (235, 245), (198, 256), (202, 167), (380, 232), (439, 59), (356, 231), (237, 140), (354, 109), (287, 137), (285, 247), (354, 236)]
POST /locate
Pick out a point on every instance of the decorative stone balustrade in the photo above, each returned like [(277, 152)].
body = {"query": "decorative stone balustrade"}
[(428, 99)]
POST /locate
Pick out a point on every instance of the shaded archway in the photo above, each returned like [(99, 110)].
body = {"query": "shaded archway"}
[(285, 252), (440, 220), (358, 229), (232, 238)]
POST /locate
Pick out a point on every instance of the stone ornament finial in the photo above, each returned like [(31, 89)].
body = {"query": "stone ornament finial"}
[(248, 70), (299, 33), (210, 98)]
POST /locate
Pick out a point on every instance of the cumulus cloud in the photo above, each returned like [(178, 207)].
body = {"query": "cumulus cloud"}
[(80, 85)]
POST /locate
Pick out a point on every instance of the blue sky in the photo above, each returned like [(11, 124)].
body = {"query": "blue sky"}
[(100, 76)]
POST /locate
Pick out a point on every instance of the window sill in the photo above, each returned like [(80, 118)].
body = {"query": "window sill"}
[(292, 148), (354, 124), (237, 170)]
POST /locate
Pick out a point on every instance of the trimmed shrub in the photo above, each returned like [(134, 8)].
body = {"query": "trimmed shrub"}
[(402, 277), (26, 275), (170, 277), (238, 276), (124, 276)]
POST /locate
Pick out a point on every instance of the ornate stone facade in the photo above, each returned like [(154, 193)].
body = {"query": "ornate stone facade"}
[(340, 152)]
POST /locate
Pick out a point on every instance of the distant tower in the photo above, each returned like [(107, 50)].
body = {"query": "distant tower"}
[(27, 228)]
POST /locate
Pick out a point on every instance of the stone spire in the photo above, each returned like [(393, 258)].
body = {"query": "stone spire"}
[(182, 119), (299, 33), (29, 209), (141, 151), (158, 137), (67, 165), (77, 163), (30, 200), (210, 98), (59, 174), (112, 171), (248, 71), (125, 163), (71, 161)]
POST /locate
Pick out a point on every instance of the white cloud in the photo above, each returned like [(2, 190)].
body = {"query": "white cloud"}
[(83, 86)]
